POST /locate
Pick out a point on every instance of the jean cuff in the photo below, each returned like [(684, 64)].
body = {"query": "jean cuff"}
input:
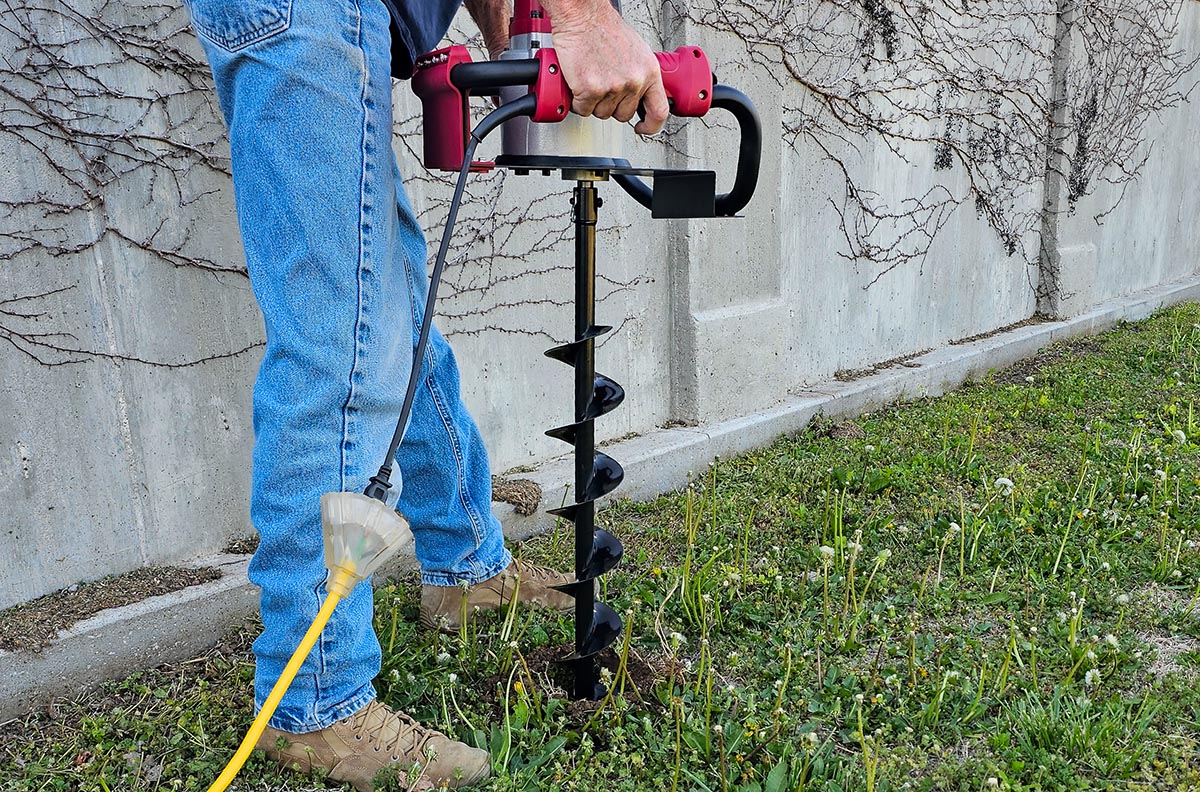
[(324, 717), (478, 572)]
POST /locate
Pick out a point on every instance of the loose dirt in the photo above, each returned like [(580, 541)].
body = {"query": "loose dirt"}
[(31, 626)]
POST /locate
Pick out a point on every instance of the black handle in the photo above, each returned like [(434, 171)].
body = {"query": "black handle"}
[(488, 75), (749, 156)]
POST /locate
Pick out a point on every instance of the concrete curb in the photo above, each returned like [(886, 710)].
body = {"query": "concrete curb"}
[(111, 644), (182, 624)]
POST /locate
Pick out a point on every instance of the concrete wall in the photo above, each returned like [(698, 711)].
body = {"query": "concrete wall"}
[(115, 460), (1152, 236)]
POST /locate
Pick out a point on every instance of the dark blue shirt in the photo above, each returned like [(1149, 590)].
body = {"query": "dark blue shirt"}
[(417, 27)]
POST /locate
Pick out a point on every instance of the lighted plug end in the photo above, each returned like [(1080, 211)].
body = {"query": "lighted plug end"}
[(360, 534)]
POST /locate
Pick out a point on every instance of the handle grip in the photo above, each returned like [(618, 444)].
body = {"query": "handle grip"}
[(688, 81), (745, 179)]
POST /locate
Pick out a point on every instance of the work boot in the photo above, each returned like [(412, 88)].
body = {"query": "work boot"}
[(443, 607), (357, 748)]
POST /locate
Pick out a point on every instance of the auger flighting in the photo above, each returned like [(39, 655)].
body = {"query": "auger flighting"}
[(596, 550)]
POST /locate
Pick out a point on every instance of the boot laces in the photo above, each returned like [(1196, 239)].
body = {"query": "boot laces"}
[(535, 572), (391, 731)]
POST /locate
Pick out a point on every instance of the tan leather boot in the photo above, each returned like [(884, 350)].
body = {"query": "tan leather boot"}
[(357, 748), (443, 607)]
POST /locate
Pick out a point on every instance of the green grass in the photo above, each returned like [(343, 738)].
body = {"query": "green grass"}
[(993, 589)]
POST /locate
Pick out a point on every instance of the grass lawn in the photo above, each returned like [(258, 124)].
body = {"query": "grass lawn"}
[(993, 589)]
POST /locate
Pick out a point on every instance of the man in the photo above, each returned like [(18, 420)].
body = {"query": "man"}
[(337, 263)]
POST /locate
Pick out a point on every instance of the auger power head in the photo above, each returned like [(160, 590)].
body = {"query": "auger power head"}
[(548, 137)]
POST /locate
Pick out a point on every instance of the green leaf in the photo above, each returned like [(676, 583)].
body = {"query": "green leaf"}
[(777, 777)]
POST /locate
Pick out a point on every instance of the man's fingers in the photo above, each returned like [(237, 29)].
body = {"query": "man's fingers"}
[(606, 106), (583, 105), (655, 104), (628, 108)]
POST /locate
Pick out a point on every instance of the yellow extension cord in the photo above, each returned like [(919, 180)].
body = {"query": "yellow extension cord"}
[(285, 680)]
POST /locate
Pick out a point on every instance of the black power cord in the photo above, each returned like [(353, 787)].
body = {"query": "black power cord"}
[(525, 106)]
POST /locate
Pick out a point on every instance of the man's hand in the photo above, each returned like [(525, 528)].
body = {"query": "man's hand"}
[(609, 68)]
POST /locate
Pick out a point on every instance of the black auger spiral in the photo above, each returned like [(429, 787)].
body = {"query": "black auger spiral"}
[(596, 474)]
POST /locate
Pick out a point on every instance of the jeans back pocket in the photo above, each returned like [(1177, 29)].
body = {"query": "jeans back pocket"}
[(234, 24)]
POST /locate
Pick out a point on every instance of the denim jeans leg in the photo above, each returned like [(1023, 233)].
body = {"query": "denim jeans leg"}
[(447, 494), (306, 94)]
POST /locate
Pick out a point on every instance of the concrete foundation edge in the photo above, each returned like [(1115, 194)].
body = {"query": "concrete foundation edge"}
[(180, 625)]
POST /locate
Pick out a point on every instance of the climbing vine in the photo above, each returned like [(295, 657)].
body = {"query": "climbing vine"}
[(106, 107), (964, 92)]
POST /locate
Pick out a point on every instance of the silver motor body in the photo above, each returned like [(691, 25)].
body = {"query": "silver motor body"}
[(575, 136)]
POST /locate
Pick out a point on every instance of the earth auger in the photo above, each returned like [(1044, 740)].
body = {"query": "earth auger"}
[(540, 136)]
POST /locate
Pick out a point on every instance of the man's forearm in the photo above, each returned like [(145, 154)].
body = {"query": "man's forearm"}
[(491, 17)]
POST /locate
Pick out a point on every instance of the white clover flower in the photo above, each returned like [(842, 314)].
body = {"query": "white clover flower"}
[(677, 638), (954, 528), (1122, 599), (1105, 567), (1091, 678), (993, 782), (1029, 380), (1179, 436), (1004, 484), (1091, 656), (858, 698), (718, 730), (452, 678), (811, 738), (1112, 641), (826, 552), (1160, 474)]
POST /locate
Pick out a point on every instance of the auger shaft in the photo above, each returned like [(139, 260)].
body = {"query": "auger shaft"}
[(586, 201)]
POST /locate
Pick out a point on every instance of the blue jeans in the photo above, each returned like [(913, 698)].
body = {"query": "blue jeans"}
[(337, 264)]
